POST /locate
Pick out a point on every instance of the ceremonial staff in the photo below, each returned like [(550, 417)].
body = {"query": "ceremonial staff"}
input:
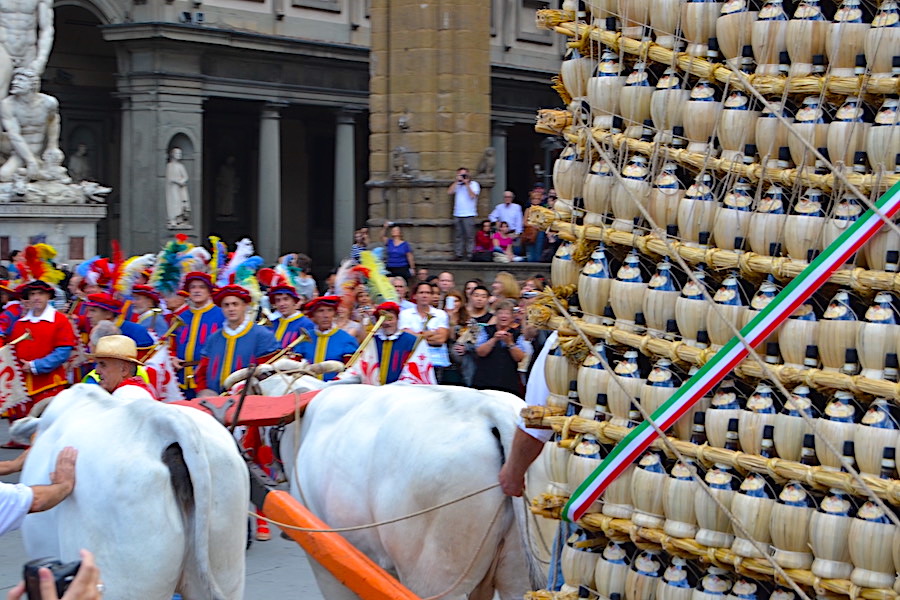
[(365, 342), (176, 323), (288, 348)]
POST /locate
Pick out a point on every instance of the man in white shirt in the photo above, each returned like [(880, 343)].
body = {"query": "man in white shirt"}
[(465, 209), (402, 289), (508, 211), (434, 322)]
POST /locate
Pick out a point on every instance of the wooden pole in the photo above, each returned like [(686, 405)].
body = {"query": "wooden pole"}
[(348, 565)]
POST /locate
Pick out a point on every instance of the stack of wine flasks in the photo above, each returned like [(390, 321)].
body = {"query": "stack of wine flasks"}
[(712, 150)]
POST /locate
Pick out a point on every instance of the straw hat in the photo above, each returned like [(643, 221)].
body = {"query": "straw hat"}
[(120, 347)]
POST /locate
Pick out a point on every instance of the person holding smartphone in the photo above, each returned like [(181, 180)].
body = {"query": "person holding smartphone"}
[(465, 208)]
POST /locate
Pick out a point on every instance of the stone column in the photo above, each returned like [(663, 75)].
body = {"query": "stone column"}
[(498, 142), (344, 182), (268, 233), (429, 113)]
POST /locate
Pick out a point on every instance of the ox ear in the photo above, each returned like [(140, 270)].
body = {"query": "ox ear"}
[(23, 429)]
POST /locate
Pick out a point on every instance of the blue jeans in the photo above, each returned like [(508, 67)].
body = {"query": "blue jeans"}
[(554, 574), (535, 249)]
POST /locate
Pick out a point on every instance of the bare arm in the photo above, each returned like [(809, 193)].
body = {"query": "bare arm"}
[(52, 124), (437, 337), (14, 465), (525, 449), (411, 260), (45, 41), (62, 482)]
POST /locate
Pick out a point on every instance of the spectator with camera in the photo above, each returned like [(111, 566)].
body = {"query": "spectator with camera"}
[(465, 208), (85, 585)]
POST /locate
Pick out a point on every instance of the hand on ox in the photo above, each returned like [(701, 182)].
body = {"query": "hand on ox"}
[(85, 586), (64, 474)]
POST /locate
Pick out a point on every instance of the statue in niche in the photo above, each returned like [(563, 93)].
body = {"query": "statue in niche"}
[(26, 37), (486, 166), (228, 187), (178, 201), (400, 164), (80, 164), (30, 120)]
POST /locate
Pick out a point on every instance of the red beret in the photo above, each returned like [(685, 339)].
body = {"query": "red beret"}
[(283, 288), (145, 290), (198, 276), (322, 301), (105, 302), (35, 284), (388, 307), (231, 290)]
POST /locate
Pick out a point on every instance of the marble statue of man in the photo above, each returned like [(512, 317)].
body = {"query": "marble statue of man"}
[(178, 202), (26, 37), (80, 164), (30, 120)]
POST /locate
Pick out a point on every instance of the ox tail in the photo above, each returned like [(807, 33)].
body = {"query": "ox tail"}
[(189, 471), (504, 429)]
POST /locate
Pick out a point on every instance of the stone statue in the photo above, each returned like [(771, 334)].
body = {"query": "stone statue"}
[(485, 170), (26, 37), (178, 202), (227, 188), (401, 168), (31, 122), (80, 164)]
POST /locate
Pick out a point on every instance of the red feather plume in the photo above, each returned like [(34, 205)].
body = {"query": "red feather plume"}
[(118, 262), (36, 267)]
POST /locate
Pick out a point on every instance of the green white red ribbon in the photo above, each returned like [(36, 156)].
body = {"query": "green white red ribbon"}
[(729, 356)]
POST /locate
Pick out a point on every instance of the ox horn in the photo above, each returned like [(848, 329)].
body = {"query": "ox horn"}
[(328, 366), (236, 377)]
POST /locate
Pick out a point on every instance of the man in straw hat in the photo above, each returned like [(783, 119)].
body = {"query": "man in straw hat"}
[(117, 367), (328, 342), (393, 355), (201, 320), (41, 357), (236, 345)]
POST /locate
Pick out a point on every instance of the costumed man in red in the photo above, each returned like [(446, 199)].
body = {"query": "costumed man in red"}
[(105, 307), (42, 356), (201, 320), (328, 342), (236, 345), (12, 308), (118, 370)]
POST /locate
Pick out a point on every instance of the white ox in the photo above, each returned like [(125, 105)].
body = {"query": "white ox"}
[(368, 454), (160, 495)]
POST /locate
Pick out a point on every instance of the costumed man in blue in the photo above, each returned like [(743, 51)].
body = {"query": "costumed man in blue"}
[(106, 307), (391, 355), (291, 323), (329, 342), (237, 344), (145, 301), (201, 320)]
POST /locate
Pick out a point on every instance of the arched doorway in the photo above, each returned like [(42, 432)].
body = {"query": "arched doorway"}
[(81, 75)]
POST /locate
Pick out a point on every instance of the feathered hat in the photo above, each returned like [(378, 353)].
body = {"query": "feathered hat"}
[(168, 267), (37, 268)]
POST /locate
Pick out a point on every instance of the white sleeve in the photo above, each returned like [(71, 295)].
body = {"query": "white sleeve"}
[(495, 215), (441, 319), (536, 390), (15, 502)]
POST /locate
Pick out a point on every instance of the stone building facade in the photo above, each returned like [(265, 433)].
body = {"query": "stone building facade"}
[(269, 101)]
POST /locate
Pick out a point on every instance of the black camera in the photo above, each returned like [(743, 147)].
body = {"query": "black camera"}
[(63, 574)]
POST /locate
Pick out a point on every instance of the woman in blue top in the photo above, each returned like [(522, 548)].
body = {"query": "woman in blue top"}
[(399, 254)]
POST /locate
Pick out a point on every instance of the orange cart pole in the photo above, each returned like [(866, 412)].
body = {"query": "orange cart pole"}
[(350, 566)]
